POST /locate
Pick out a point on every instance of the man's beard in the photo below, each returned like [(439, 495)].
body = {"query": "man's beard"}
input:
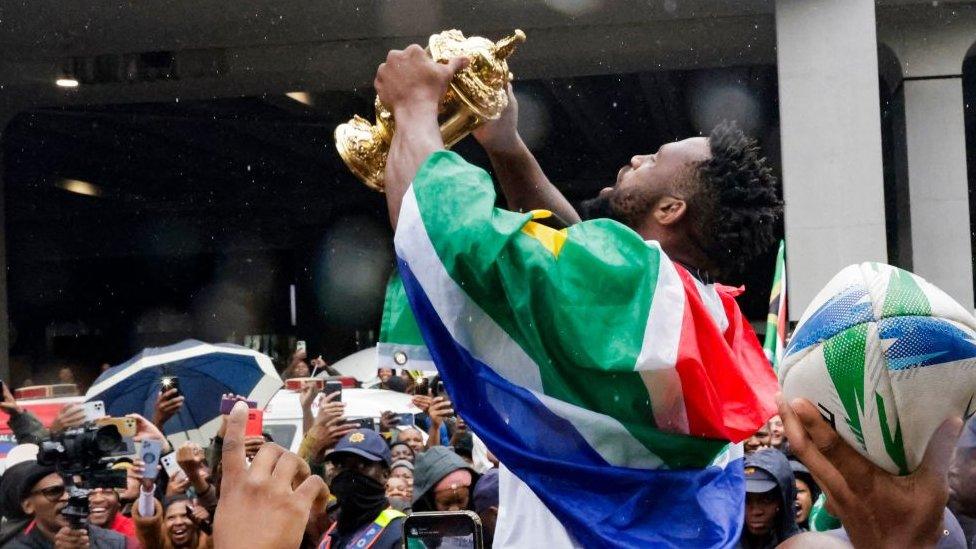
[(598, 207)]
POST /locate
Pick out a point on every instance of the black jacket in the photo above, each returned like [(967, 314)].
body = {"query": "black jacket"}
[(775, 463), (98, 538)]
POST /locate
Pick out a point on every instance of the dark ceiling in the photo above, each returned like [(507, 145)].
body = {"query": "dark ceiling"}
[(190, 191)]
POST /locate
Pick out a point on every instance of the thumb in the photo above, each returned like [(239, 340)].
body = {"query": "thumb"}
[(455, 64), (232, 458), (938, 453)]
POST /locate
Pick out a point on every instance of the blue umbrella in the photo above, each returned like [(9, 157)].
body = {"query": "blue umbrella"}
[(205, 370)]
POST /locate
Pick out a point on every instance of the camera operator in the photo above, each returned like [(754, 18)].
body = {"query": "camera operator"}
[(41, 493)]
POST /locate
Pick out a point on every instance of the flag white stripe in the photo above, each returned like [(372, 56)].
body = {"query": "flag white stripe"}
[(481, 336)]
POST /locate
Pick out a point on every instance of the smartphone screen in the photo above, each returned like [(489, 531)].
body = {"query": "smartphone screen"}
[(443, 529), (333, 387)]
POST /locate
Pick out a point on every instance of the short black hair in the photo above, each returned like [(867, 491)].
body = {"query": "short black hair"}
[(740, 203)]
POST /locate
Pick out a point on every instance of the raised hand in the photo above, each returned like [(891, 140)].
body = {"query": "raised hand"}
[(70, 416), (167, 406), (877, 509), (146, 430), (266, 505), (9, 404), (440, 409), (411, 78)]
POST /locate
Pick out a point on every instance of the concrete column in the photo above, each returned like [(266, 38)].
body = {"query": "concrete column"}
[(831, 138), (938, 184)]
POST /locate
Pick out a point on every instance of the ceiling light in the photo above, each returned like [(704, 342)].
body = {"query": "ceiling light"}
[(66, 82), (78, 186), (304, 98)]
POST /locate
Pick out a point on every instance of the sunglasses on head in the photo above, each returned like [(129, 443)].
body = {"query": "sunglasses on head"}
[(51, 493)]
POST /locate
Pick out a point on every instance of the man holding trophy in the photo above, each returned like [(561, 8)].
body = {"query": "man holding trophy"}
[(600, 363)]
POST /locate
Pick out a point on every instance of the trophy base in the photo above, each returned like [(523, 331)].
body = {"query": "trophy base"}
[(363, 150)]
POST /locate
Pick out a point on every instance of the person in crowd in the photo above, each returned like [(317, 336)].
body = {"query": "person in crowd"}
[(486, 503), (168, 404), (328, 427), (297, 366), (385, 374), (442, 481), (395, 384), (173, 524), (757, 441), (439, 413), (413, 438), (401, 451), (770, 516), (361, 461), (962, 481), (777, 437), (807, 492), (66, 375), (398, 487), (41, 496), (105, 511), (403, 469)]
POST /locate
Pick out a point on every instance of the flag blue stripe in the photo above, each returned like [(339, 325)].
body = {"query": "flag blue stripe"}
[(599, 504)]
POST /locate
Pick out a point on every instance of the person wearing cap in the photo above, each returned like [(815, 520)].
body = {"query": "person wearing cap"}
[(361, 461), (807, 492), (962, 481), (36, 494), (486, 503), (770, 516), (442, 481)]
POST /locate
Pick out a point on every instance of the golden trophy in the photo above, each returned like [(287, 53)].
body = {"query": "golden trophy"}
[(477, 93)]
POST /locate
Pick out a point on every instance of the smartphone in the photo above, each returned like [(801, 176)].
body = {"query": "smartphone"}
[(170, 465), (227, 404), (440, 389), (125, 425), (255, 423), (94, 409), (300, 346), (363, 423), (333, 387), (170, 382), (443, 529), (298, 383), (149, 451)]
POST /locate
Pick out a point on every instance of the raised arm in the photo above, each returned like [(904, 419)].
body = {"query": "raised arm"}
[(411, 85), (523, 183)]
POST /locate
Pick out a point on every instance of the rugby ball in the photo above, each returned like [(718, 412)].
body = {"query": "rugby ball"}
[(885, 357)]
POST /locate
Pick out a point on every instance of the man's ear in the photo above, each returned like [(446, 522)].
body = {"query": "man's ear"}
[(28, 506), (669, 210)]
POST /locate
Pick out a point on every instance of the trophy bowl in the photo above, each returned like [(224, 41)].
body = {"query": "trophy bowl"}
[(477, 93)]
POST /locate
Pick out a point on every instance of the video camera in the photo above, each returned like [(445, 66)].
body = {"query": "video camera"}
[(78, 455)]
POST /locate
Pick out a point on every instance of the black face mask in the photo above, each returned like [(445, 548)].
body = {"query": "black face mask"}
[(361, 499)]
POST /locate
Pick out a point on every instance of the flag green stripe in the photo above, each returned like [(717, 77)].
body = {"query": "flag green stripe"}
[(580, 317)]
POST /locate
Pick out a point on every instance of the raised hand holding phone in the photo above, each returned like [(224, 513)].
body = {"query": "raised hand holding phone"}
[(288, 493)]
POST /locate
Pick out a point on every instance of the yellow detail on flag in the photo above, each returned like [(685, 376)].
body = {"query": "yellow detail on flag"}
[(552, 239)]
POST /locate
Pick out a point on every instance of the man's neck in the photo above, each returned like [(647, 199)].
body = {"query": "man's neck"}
[(47, 531)]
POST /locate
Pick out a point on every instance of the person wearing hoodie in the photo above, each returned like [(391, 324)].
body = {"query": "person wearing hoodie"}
[(443, 481), (770, 516), (807, 492)]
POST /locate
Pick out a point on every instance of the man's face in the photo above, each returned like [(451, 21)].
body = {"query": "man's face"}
[(761, 512), (413, 439), (401, 452), (404, 473), (352, 462), (385, 374), (179, 527), (46, 500), (65, 375), (398, 487), (759, 440), (776, 432), (103, 504), (649, 177)]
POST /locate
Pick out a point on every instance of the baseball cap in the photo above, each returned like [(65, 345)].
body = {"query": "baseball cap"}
[(486, 491), (759, 481), (365, 443)]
